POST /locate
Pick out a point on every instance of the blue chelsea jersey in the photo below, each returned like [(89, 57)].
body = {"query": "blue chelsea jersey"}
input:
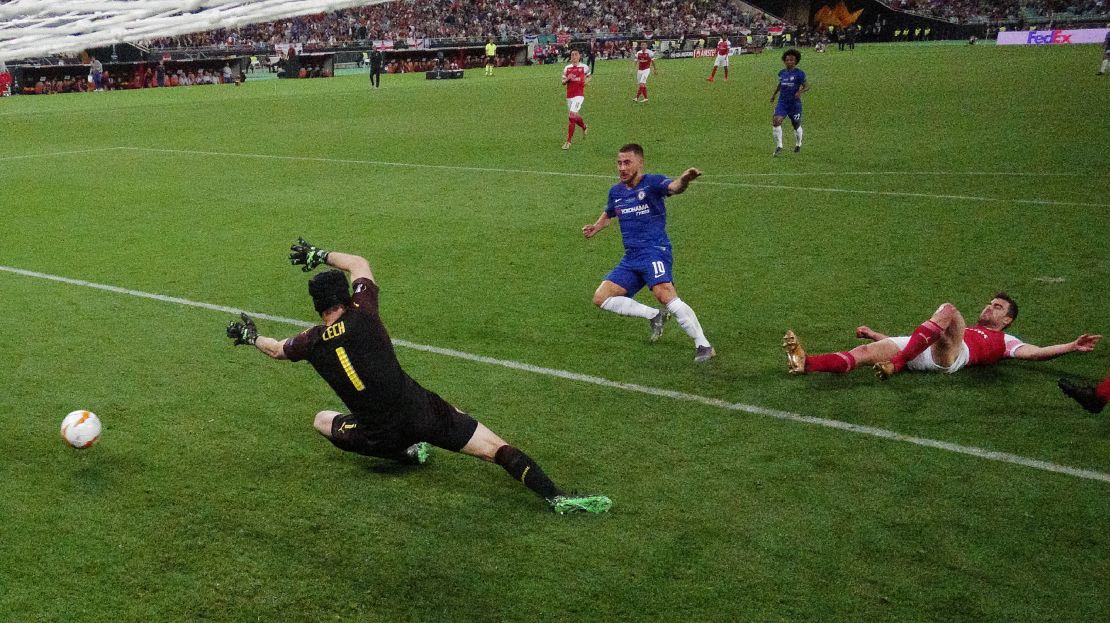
[(789, 83), (642, 214)]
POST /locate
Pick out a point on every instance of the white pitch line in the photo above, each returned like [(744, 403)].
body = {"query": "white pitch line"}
[(58, 153), (451, 167), (921, 173), (872, 431)]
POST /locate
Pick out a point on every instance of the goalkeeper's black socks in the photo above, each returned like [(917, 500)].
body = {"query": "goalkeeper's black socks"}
[(521, 467)]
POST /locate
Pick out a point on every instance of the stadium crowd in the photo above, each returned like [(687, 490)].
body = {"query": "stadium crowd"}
[(502, 19), (979, 11)]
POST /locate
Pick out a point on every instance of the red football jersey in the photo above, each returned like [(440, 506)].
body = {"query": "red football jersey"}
[(643, 57), (723, 47), (576, 79), (988, 346)]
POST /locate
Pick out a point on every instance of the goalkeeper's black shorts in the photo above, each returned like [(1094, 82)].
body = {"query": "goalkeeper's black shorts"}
[(439, 424)]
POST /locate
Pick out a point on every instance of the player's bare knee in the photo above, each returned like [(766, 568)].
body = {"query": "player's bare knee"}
[(664, 293), (945, 314)]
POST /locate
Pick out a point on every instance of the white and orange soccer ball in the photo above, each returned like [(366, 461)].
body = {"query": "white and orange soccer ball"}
[(81, 429)]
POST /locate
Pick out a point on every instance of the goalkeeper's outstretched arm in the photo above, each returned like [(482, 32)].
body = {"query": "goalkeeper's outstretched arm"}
[(244, 332), (275, 349), (355, 266), (309, 256)]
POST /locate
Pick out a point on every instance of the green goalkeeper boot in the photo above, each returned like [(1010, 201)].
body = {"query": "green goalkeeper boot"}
[(575, 503), (417, 453)]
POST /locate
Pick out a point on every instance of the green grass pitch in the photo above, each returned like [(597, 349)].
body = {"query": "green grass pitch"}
[(210, 497)]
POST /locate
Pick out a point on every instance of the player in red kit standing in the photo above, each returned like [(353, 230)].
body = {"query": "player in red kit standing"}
[(944, 343), (723, 47), (576, 76), (645, 62)]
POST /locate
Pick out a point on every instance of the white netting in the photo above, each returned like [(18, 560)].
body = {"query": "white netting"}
[(31, 28)]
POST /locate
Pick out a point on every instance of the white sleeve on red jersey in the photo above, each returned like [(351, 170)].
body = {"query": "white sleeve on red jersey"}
[(566, 69), (1012, 344), (586, 69)]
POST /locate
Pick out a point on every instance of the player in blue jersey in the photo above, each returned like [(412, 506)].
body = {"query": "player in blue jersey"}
[(791, 85), (638, 202), (1105, 55)]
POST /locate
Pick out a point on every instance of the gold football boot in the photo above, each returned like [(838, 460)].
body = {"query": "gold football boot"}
[(795, 354)]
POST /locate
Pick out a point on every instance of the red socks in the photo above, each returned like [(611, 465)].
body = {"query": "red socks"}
[(726, 73), (922, 338), (642, 91), (713, 73), (575, 120), (1103, 390), (831, 362)]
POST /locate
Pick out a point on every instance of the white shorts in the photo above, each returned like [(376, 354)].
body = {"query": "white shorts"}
[(924, 362), (642, 75), (574, 104), (722, 61)]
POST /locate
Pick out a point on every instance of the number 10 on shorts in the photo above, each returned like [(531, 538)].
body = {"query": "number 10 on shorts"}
[(658, 268)]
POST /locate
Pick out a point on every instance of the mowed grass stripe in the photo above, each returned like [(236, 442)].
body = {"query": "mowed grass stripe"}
[(451, 167), (603, 382)]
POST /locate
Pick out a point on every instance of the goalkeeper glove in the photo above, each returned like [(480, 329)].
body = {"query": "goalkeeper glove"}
[(302, 252), (243, 332)]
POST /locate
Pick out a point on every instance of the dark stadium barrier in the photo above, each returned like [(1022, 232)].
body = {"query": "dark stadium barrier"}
[(119, 75), (307, 65)]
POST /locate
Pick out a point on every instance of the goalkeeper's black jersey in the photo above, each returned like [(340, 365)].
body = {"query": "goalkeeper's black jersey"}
[(355, 356)]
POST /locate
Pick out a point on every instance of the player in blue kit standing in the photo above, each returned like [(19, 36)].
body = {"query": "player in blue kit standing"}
[(791, 85), (638, 201)]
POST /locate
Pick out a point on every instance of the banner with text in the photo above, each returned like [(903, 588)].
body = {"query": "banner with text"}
[(1052, 37)]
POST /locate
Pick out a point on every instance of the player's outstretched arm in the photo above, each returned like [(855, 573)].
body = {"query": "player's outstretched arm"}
[(1083, 344), (591, 230), (677, 187), (355, 266), (776, 93), (244, 332), (309, 256)]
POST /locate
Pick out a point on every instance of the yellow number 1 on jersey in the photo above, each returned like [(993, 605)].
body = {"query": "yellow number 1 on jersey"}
[(349, 369)]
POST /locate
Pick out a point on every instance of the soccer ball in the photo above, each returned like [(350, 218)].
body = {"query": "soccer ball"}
[(81, 429)]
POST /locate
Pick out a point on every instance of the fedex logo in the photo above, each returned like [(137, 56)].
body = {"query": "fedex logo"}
[(1046, 37), (1052, 37)]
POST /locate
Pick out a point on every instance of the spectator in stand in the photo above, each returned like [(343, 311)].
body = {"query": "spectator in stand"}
[(227, 75), (474, 20)]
